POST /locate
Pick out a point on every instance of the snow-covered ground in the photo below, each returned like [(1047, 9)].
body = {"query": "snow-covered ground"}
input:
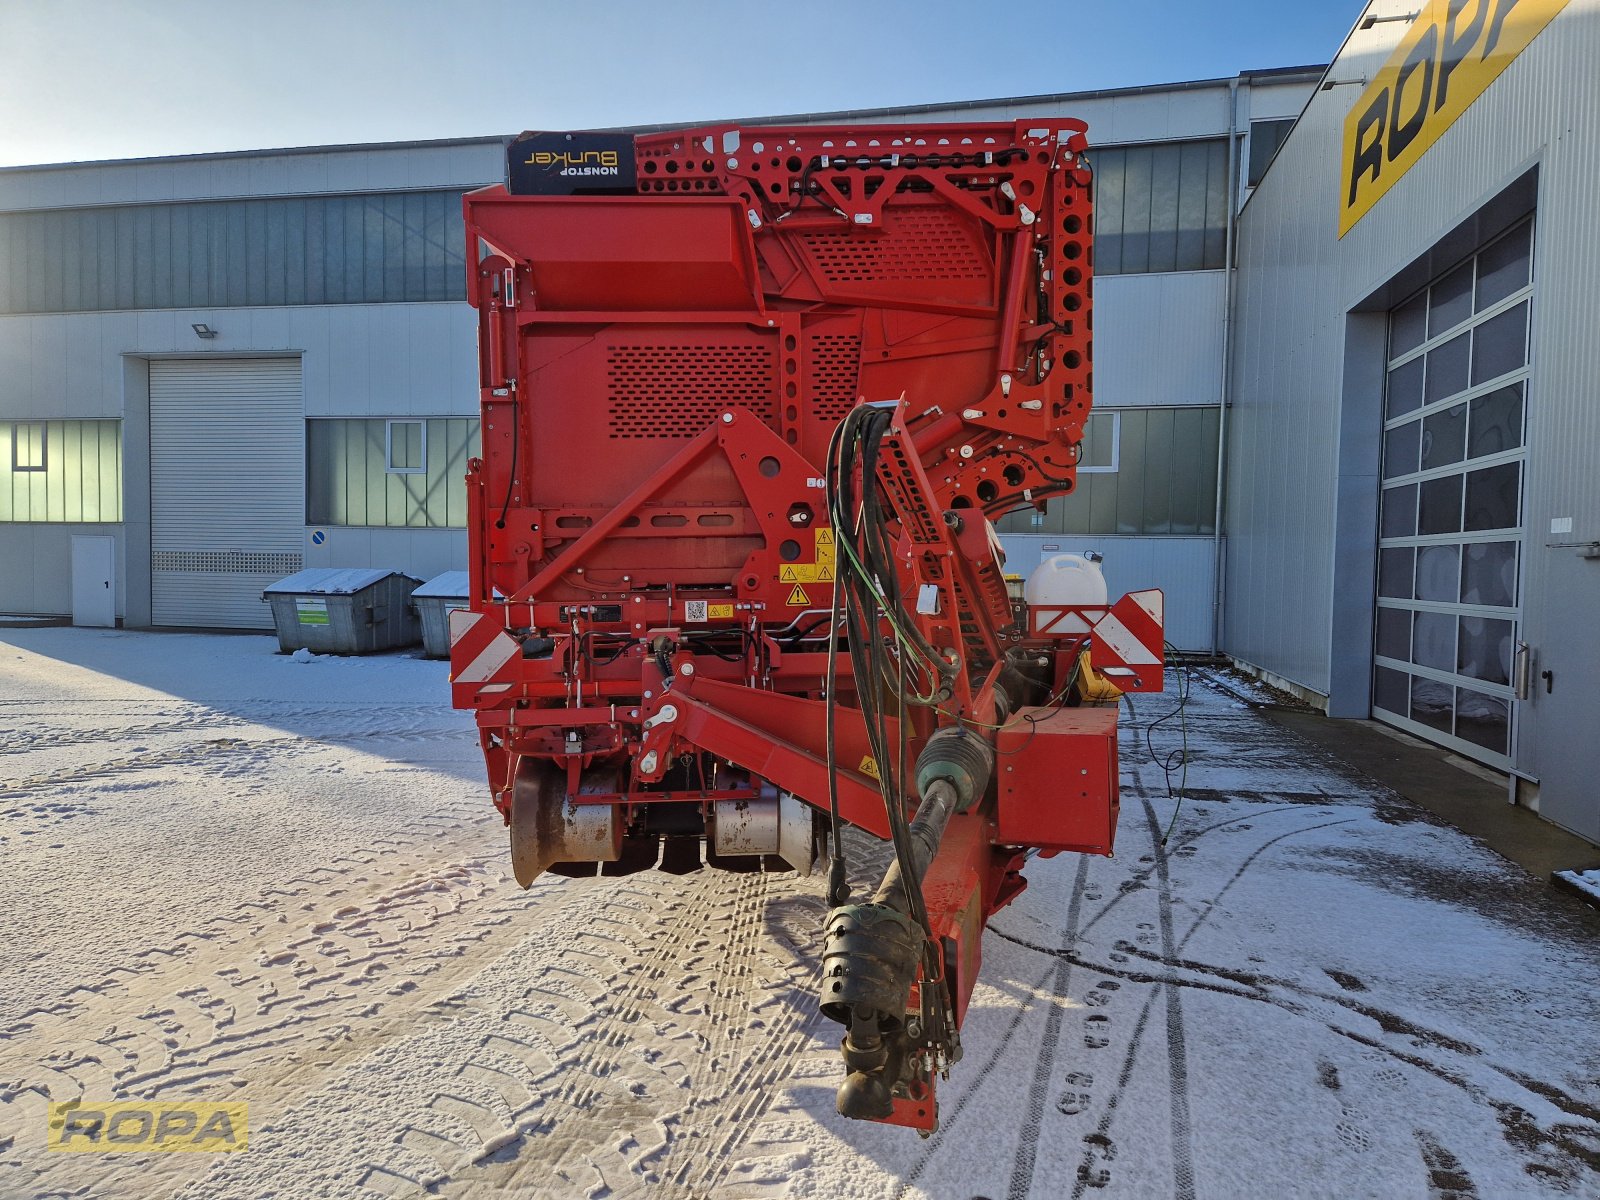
[(229, 875)]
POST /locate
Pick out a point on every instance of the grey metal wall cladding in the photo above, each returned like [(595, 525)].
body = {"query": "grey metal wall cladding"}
[(397, 246), (1298, 281), (1158, 338)]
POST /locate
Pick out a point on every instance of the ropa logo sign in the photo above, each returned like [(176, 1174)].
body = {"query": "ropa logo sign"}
[(1453, 51), (165, 1127)]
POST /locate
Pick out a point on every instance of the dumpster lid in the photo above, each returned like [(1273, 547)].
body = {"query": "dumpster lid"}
[(452, 585), (329, 581)]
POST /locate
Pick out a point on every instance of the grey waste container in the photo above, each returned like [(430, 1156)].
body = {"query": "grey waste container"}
[(435, 601), (343, 610)]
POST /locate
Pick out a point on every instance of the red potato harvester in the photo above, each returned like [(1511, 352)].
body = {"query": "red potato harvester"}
[(751, 399)]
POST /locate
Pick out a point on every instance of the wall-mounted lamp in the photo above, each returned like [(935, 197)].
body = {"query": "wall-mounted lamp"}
[(1329, 84), (1369, 22), (203, 330)]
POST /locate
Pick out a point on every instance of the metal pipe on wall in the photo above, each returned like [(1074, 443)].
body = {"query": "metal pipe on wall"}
[(1225, 389)]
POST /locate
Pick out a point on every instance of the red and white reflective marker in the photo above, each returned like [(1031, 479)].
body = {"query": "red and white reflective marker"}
[(1127, 643), (482, 648)]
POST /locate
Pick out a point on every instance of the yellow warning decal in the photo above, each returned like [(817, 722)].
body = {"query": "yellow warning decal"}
[(869, 767), (723, 611), (824, 535), (797, 597), (824, 573), (801, 573), (825, 553)]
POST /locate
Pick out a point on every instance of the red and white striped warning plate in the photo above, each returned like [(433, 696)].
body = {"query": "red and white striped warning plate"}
[(482, 656), (1127, 643)]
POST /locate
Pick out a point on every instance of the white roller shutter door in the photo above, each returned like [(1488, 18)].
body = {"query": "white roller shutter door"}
[(227, 471)]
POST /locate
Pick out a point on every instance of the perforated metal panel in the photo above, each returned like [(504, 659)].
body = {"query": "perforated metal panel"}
[(676, 391), (832, 361), (922, 244), (227, 503)]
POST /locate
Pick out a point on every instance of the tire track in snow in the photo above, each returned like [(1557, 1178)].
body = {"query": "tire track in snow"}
[(1177, 1051), (603, 1105), (181, 756), (1098, 1144), (1060, 981), (373, 956), (30, 742)]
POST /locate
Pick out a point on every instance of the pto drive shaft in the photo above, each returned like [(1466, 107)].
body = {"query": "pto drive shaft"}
[(872, 950)]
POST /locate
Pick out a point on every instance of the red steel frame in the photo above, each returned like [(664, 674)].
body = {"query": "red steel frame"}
[(661, 372)]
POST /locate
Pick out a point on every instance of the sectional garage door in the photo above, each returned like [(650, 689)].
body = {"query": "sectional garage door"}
[(227, 453), (1450, 557)]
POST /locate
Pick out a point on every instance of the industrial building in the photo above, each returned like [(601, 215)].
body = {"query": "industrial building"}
[(1413, 528), (1344, 351), (236, 365)]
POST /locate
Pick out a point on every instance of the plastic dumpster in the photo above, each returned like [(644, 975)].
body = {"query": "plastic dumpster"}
[(435, 601), (343, 610)]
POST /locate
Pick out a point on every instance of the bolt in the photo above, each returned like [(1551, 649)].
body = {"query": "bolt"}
[(686, 668), (647, 764)]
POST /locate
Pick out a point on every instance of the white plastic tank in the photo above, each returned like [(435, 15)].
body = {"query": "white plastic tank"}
[(1066, 579)]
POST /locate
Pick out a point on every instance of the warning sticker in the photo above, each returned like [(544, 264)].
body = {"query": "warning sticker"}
[(799, 573), (702, 610), (825, 553), (798, 597), (310, 612), (824, 535), (869, 768)]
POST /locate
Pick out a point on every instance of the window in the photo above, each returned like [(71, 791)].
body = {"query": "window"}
[(406, 448), (1102, 444), (28, 446), (61, 471), (1160, 208), (350, 481), (1143, 471), (392, 246), (1265, 138)]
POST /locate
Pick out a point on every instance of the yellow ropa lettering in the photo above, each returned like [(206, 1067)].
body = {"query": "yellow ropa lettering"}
[(1453, 51)]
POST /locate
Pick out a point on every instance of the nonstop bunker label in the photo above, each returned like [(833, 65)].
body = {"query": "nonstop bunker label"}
[(559, 164)]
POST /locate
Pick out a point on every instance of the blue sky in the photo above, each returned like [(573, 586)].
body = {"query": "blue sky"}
[(88, 79)]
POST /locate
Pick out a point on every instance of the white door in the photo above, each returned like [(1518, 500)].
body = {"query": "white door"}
[(94, 580), (227, 490)]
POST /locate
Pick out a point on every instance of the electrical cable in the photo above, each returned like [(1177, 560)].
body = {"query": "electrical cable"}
[(516, 442), (1173, 760)]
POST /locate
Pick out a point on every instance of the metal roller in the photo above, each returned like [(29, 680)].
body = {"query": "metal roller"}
[(547, 828)]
